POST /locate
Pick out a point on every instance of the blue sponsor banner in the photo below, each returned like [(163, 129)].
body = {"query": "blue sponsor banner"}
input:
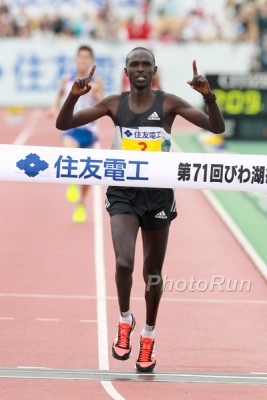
[(30, 74), (31, 71)]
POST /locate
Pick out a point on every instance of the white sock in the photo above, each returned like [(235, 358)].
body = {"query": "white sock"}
[(126, 317), (148, 331)]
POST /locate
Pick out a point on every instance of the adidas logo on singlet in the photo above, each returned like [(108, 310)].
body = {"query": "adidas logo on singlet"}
[(161, 215), (154, 116)]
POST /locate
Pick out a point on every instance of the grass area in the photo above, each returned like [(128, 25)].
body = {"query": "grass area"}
[(247, 147)]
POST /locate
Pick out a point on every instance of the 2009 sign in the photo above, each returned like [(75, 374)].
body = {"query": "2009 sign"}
[(242, 100), (235, 101)]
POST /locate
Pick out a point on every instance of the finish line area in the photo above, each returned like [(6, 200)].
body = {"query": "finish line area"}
[(58, 303), (41, 164), (97, 375)]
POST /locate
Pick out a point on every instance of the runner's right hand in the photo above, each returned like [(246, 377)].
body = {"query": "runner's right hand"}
[(82, 86)]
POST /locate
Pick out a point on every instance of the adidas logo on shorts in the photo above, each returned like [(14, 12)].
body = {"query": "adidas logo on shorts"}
[(161, 215), (154, 116)]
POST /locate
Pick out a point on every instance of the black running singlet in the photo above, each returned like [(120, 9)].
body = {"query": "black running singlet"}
[(142, 131)]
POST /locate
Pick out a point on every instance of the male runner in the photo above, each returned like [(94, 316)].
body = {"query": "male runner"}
[(86, 135), (152, 210)]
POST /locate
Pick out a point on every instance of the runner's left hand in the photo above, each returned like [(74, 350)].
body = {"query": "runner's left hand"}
[(199, 82)]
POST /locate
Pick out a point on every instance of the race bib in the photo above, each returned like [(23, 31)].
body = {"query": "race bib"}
[(142, 139)]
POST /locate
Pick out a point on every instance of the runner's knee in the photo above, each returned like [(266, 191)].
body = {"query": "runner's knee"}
[(124, 264)]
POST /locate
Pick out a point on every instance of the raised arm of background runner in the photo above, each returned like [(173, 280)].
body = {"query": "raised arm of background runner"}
[(212, 122)]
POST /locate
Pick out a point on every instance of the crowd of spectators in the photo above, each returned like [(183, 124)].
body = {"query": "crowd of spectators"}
[(239, 20)]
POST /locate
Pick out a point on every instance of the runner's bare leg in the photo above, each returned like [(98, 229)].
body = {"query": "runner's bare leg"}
[(154, 248), (124, 229)]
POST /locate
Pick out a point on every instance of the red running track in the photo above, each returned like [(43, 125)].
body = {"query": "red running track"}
[(48, 305)]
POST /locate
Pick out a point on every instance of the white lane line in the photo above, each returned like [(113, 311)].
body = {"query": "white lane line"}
[(50, 320), (87, 320), (47, 319), (136, 298), (24, 135), (47, 296), (234, 229), (258, 373), (102, 331), (212, 301)]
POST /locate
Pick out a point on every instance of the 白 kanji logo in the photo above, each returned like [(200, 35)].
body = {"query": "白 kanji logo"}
[(32, 165)]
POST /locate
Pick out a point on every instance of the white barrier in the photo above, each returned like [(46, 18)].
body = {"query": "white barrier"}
[(133, 168)]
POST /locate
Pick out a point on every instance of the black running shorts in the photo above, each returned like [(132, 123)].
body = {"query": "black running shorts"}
[(155, 208)]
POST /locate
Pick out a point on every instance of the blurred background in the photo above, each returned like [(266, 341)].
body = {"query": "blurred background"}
[(39, 39), (228, 38)]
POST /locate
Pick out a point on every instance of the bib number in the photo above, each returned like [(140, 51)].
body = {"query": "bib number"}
[(143, 146)]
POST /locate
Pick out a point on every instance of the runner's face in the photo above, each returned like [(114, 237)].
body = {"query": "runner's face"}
[(83, 62), (140, 69)]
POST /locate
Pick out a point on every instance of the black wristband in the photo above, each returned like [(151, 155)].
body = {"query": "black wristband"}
[(210, 99)]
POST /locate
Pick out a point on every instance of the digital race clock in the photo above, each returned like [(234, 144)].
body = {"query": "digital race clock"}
[(243, 102)]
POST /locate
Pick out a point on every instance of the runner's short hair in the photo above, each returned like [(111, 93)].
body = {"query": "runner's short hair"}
[(138, 49), (86, 48)]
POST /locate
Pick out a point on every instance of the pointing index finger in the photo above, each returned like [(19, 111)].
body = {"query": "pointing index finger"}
[(91, 73), (195, 68)]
